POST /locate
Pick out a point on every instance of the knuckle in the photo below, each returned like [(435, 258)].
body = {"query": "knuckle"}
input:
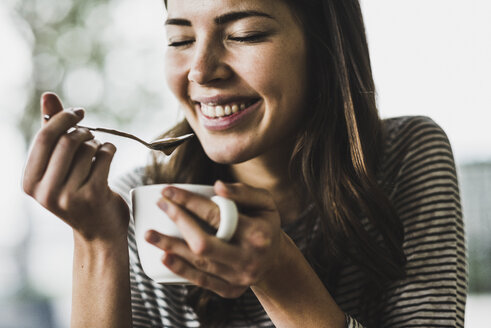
[(166, 245), (89, 147), (173, 212), (85, 133), (92, 144), (180, 196), (245, 280), (93, 194), (200, 247), (66, 200), (202, 280), (178, 268), (90, 191), (47, 200), (68, 141), (260, 239), (69, 116), (201, 263), (213, 215), (28, 187), (45, 136)]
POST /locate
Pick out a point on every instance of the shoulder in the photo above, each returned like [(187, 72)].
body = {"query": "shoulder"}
[(415, 148), (409, 132), (122, 184)]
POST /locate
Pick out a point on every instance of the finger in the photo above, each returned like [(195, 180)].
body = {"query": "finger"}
[(177, 246), (50, 105), (82, 164), (44, 145), (200, 242), (102, 164), (202, 207), (63, 154), (246, 197), (205, 280)]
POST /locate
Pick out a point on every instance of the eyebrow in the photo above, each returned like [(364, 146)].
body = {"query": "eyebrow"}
[(223, 19)]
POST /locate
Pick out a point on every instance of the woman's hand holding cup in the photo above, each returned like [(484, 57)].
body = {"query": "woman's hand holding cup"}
[(226, 268)]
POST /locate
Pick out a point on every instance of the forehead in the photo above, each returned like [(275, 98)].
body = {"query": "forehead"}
[(212, 8)]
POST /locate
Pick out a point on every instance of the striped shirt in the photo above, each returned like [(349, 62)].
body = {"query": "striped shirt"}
[(419, 173)]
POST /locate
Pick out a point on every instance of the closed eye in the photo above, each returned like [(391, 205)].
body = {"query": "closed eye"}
[(249, 38), (180, 43)]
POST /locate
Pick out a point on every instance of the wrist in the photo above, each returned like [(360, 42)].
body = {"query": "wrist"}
[(101, 283), (102, 226), (293, 295), (284, 261), (103, 249)]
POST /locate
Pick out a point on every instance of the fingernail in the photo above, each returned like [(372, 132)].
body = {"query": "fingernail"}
[(168, 192), (152, 237), (109, 146), (44, 96), (221, 185), (163, 205), (80, 112)]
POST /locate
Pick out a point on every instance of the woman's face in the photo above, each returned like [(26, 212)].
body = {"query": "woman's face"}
[(238, 69)]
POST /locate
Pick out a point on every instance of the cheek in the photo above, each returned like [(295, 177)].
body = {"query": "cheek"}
[(176, 75), (280, 76)]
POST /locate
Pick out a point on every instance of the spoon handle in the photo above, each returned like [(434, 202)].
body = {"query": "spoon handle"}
[(115, 132), (110, 131)]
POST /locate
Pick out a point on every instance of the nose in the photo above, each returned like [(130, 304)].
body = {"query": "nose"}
[(208, 65)]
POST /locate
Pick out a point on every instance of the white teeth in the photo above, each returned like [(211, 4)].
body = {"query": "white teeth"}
[(221, 111), (207, 111)]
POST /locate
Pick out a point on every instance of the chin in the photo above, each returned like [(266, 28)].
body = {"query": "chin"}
[(224, 155)]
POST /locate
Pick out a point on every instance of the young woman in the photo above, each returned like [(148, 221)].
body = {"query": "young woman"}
[(345, 219)]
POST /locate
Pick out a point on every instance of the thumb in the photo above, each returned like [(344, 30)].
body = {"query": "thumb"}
[(50, 104), (246, 197)]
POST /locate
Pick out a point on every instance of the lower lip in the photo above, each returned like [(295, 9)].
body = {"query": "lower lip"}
[(227, 122)]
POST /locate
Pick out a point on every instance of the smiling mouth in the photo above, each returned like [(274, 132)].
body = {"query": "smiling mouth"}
[(225, 110)]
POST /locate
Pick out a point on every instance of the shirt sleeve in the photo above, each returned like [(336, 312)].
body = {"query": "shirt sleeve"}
[(426, 196)]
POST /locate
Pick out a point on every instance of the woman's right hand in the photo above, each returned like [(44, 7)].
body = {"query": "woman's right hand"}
[(67, 171)]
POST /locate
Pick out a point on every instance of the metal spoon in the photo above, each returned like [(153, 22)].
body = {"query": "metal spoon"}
[(165, 145)]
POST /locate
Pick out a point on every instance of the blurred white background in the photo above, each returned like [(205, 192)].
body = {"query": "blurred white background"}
[(429, 58)]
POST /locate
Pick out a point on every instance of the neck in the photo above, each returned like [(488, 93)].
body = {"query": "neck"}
[(270, 172)]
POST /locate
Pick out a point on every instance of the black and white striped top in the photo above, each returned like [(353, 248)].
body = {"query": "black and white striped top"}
[(419, 168)]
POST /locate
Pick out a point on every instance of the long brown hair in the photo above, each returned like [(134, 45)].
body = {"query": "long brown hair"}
[(335, 160)]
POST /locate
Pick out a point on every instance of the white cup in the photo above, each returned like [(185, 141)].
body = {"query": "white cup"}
[(148, 216)]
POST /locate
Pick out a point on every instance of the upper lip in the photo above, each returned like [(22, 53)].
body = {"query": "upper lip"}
[(222, 99)]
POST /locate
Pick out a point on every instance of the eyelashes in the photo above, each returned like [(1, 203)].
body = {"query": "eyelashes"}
[(250, 38), (178, 44)]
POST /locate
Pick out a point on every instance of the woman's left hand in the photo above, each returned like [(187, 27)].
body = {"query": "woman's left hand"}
[(226, 268)]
